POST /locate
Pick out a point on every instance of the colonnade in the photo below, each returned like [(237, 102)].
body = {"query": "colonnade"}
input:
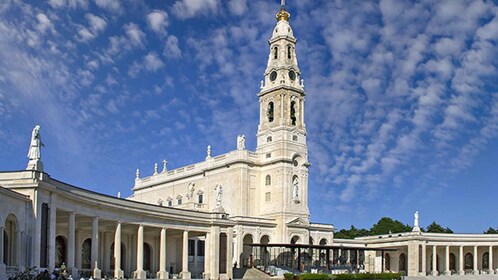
[(73, 257), (463, 267)]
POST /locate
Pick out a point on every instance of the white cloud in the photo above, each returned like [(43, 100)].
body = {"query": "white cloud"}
[(97, 24), (171, 48), (68, 3), (110, 5), (237, 7), (152, 62), (44, 23), (184, 9), (134, 34), (158, 21)]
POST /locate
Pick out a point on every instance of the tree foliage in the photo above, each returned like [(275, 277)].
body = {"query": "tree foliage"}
[(387, 225), (351, 233), (491, 231), (437, 228)]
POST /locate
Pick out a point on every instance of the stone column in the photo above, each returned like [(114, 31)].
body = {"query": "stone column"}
[(1, 244), (52, 222), (476, 267), (229, 252), (195, 253), (215, 252), (95, 247), (118, 272), (185, 273), (434, 261), (207, 257), (447, 261), (491, 270), (140, 273), (461, 270), (163, 272), (71, 245)]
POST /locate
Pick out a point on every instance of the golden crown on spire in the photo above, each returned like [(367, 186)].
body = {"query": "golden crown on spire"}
[(283, 14)]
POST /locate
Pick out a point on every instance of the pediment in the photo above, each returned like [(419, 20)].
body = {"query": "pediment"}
[(298, 222)]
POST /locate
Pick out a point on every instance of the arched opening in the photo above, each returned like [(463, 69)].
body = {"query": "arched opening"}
[(468, 261), (295, 188), (269, 113), (311, 241), (420, 258), (437, 263), (293, 113), (452, 262), (289, 49), (485, 260), (222, 261), (10, 241), (322, 253), (275, 52), (323, 242), (294, 239), (86, 254), (147, 255), (387, 262), (265, 254), (60, 251), (268, 180), (247, 250), (123, 257), (402, 262)]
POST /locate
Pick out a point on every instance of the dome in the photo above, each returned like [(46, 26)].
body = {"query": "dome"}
[(282, 28)]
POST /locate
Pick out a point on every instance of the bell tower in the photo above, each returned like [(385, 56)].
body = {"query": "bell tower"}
[(282, 133)]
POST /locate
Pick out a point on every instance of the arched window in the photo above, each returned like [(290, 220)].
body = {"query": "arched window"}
[(268, 180), (293, 112), (387, 261), (452, 261), (60, 251), (289, 49), (179, 200), (485, 260), (86, 254), (123, 257), (5, 248), (269, 113), (275, 52), (469, 261), (402, 262)]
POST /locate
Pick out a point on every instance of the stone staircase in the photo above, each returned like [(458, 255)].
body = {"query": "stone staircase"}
[(249, 274)]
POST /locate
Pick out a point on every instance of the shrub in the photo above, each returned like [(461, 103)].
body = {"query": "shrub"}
[(311, 276), (288, 276), (368, 276)]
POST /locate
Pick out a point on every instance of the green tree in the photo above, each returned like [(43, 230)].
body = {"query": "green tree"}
[(351, 233), (491, 231), (387, 225), (437, 228)]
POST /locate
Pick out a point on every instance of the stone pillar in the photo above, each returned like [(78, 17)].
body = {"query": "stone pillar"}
[(447, 261), (207, 257), (163, 272), (118, 272), (476, 267), (461, 270), (95, 247), (229, 252), (71, 245), (434, 261), (424, 260), (239, 247), (52, 222), (412, 259), (140, 273), (195, 253), (491, 270), (185, 274)]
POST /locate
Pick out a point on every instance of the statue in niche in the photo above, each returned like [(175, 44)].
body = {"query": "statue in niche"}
[(241, 142), (295, 189), (190, 189), (219, 191), (34, 152), (269, 113)]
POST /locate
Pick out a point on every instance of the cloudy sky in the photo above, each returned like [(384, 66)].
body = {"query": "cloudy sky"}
[(401, 106)]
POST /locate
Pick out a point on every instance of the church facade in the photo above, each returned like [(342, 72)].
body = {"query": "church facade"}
[(200, 220)]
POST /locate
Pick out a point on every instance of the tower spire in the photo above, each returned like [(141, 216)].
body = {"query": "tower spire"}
[(282, 14)]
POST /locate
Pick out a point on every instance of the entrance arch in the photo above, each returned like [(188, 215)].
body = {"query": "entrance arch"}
[(247, 250), (10, 241), (86, 254), (402, 262), (60, 251), (147, 256), (123, 257), (294, 239)]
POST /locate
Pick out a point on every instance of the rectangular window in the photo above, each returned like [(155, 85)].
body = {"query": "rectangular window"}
[(200, 248), (191, 247), (170, 203), (294, 137), (200, 199), (267, 196), (268, 155), (179, 201)]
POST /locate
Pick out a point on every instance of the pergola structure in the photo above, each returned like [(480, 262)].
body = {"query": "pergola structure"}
[(307, 257)]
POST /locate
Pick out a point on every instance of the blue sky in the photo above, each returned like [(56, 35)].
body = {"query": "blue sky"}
[(401, 106)]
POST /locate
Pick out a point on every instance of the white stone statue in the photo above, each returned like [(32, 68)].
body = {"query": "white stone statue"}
[(415, 222), (34, 152), (164, 166), (155, 168), (295, 189), (208, 152), (137, 174), (219, 191), (190, 190), (241, 142)]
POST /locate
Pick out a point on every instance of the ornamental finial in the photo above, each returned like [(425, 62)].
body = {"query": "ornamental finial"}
[(282, 14)]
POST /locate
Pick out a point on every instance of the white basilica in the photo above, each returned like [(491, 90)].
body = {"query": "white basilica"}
[(204, 219)]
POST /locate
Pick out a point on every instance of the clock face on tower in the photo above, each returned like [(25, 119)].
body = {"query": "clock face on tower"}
[(273, 76), (292, 75)]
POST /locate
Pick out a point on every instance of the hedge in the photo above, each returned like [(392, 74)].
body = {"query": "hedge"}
[(369, 276)]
